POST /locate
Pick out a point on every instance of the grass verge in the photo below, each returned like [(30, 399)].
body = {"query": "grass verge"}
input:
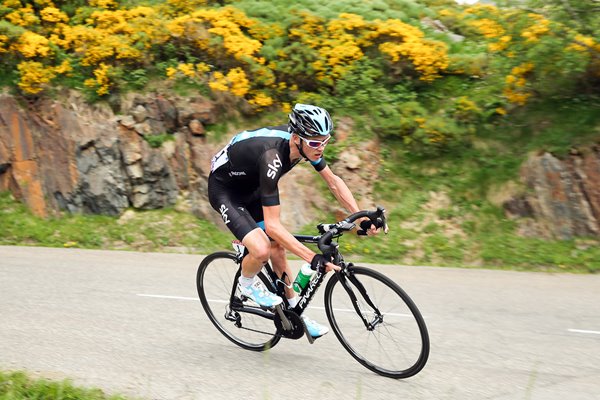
[(460, 236), (17, 385)]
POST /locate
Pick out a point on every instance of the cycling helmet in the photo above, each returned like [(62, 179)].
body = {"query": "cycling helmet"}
[(309, 121)]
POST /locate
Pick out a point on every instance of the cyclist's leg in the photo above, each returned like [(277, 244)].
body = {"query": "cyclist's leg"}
[(277, 252), (237, 218)]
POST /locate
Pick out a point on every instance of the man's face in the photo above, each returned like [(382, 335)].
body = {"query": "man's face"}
[(313, 147)]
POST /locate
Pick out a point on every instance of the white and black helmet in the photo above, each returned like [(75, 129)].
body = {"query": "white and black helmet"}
[(309, 121)]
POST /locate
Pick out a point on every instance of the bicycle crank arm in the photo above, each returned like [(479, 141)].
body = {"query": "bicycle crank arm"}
[(285, 322)]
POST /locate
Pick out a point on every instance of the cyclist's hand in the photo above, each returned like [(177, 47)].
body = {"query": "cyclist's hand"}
[(331, 267), (371, 230), (319, 260)]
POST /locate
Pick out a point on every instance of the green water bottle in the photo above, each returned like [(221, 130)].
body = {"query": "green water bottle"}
[(304, 276)]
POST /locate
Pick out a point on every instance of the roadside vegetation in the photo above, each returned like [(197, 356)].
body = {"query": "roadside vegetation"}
[(457, 95), (18, 385)]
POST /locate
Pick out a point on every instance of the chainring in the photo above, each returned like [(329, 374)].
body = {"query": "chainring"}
[(297, 330)]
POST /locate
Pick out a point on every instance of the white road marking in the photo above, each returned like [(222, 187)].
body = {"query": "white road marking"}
[(169, 297), (226, 301), (584, 331)]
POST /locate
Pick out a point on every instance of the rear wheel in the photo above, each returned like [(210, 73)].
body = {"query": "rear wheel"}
[(394, 341), (249, 327)]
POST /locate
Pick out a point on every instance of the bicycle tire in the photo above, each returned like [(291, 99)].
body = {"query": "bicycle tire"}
[(402, 329), (215, 281)]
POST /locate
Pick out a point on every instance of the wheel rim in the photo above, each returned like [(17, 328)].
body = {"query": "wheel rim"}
[(395, 346), (215, 282)]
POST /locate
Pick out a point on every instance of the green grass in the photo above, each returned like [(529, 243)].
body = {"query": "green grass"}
[(17, 386), (157, 230), (155, 141)]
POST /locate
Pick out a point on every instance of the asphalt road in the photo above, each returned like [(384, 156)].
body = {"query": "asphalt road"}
[(130, 324)]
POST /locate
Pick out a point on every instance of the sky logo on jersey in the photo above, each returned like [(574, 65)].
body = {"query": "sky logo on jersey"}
[(274, 167), (223, 210)]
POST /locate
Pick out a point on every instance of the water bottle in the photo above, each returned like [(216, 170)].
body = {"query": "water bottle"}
[(304, 276)]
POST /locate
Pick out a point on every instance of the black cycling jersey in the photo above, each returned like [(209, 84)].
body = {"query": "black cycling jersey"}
[(245, 174)]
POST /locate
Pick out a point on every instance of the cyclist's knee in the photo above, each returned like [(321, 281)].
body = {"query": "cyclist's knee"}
[(261, 253)]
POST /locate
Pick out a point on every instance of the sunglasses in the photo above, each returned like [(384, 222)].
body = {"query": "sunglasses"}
[(315, 144)]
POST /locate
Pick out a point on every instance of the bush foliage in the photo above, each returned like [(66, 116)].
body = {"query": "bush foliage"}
[(430, 71)]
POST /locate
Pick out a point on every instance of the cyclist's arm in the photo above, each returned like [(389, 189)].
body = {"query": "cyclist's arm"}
[(339, 189), (343, 194)]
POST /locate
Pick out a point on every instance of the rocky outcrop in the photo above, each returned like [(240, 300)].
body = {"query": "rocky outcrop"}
[(562, 199), (80, 158), (70, 156)]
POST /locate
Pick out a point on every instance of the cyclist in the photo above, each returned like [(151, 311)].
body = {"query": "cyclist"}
[(242, 187)]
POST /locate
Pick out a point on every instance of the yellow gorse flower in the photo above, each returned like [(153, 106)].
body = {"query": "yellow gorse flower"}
[(343, 41), (227, 23), (234, 82), (12, 4), (488, 28), (261, 100), (538, 28), (34, 76), (185, 6), (515, 90), (24, 16), (102, 79), (108, 4), (32, 45), (63, 68), (583, 44), (53, 14), (3, 42), (189, 70)]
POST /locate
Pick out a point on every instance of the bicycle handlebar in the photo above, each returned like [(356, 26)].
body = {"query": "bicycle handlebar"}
[(376, 217)]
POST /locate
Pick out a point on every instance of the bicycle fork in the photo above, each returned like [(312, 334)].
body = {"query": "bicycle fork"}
[(346, 277)]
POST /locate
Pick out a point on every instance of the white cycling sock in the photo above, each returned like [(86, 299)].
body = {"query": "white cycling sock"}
[(293, 301), (246, 282)]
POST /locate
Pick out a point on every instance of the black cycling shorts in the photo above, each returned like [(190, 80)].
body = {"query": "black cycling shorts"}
[(241, 212)]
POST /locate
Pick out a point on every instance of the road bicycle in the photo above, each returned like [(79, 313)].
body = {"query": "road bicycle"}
[(372, 317)]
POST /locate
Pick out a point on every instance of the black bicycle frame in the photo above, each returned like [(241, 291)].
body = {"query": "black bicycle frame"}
[(325, 245)]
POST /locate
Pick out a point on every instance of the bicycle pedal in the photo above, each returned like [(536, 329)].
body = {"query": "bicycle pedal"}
[(311, 339)]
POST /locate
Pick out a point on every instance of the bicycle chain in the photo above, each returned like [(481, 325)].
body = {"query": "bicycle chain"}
[(264, 333)]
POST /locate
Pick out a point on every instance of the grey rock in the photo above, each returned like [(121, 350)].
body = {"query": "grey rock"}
[(143, 128), (127, 121), (196, 128), (139, 113)]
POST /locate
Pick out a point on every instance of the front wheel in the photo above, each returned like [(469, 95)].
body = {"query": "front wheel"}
[(382, 327), (243, 324)]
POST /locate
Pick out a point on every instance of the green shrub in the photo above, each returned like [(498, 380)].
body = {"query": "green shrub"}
[(156, 141)]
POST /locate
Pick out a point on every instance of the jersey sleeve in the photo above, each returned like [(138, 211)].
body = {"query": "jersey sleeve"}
[(319, 165), (270, 170)]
